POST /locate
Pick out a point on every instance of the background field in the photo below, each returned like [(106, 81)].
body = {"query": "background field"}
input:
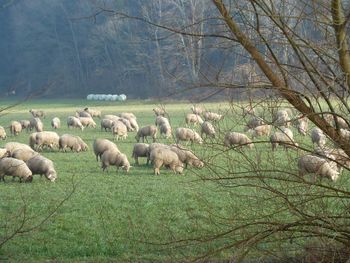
[(128, 217)]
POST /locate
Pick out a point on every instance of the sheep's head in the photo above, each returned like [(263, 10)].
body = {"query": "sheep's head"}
[(52, 176), (29, 179)]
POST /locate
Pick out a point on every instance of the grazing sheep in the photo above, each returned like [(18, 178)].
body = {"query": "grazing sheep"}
[(127, 115), (43, 166), (3, 153), (13, 146), (87, 122), (262, 130), (282, 118), (75, 143), (93, 112), (23, 154), (212, 116), (25, 124), (253, 123), (102, 145), (153, 146), (336, 154), (208, 129), (3, 135), (111, 117), (56, 123), (82, 113), (284, 138), (74, 122), (127, 124), (311, 164), (46, 138), (236, 138), (193, 119), (37, 124), (166, 130), (302, 126), (186, 156), (37, 113), (114, 157), (161, 120), (140, 150), (106, 124), (134, 124), (150, 130), (16, 168), (196, 110), (318, 137), (161, 156), (15, 128), (119, 130), (185, 134), (159, 111)]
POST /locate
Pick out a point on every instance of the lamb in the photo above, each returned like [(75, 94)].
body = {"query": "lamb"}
[(15, 168), (93, 112), (185, 134), (253, 123), (74, 122), (114, 157), (140, 150), (102, 145), (159, 111), (186, 156), (166, 130), (106, 124), (37, 124), (161, 120), (196, 110), (311, 164), (43, 166), (37, 113), (56, 123), (212, 116), (87, 122), (23, 154), (318, 137), (15, 128), (75, 143), (25, 124), (3, 135), (119, 130), (150, 130), (46, 138), (261, 130), (161, 156), (284, 138), (13, 146), (127, 115), (208, 129), (193, 118), (236, 138), (82, 113)]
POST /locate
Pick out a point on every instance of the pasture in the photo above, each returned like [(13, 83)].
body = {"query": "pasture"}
[(103, 216)]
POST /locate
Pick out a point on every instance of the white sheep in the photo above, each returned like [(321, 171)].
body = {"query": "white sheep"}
[(196, 110), (282, 118), (43, 166), (318, 137), (119, 130), (150, 130), (36, 124), (3, 135), (102, 145), (75, 143), (16, 168), (3, 153), (74, 122), (186, 134), (193, 119), (284, 138), (87, 122), (82, 113), (15, 128), (93, 112), (46, 138), (212, 116), (114, 157), (134, 124), (127, 115), (140, 150), (37, 113), (25, 124), (153, 146), (127, 124), (208, 129), (55, 123), (159, 111), (336, 154), (311, 164), (236, 138), (253, 123), (161, 120), (302, 126), (23, 154), (261, 130), (106, 124), (12, 146), (186, 156), (161, 156), (165, 129), (111, 117)]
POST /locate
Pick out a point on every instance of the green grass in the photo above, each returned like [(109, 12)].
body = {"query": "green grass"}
[(120, 216)]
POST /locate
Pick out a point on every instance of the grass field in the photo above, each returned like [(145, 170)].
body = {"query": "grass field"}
[(118, 216)]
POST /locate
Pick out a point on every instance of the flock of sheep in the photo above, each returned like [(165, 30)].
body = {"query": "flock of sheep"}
[(23, 161)]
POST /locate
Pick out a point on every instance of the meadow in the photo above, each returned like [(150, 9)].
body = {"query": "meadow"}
[(92, 215)]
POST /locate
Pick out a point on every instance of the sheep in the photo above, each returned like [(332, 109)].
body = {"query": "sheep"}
[(253, 123), (345, 134), (236, 138), (193, 119), (43, 166), (106, 124), (166, 130), (159, 111), (212, 116), (134, 124), (37, 113), (261, 130), (15, 168), (15, 128), (127, 124), (93, 112), (284, 138), (114, 157), (186, 156), (185, 134), (119, 130), (111, 117), (23, 154), (46, 138), (302, 126), (336, 154), (74, 122), (282, 118), (3, 135), (102, 145), (56, 123), (37, 124), (75, 143), (196, 110), (127, 115), (87, 122), (161, 120), (153, 146), (25, 124), (311, 164), (318, 137), (208, 129), (13, 146), (161, 156), (82, 113), (248, 110), (140, 150), (3, 153), (150, 130)]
